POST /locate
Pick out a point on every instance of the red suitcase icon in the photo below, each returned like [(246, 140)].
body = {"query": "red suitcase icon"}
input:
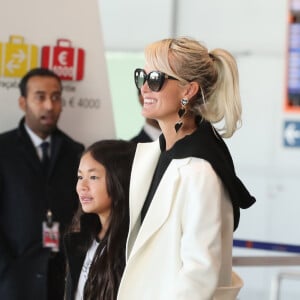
[(67, 62)]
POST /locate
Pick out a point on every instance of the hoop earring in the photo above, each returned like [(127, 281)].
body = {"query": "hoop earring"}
[(181, 113)]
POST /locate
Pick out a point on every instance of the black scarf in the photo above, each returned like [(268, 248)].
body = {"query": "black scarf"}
[(207, 144)]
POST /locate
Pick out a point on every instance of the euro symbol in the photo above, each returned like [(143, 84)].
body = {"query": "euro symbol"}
[(62, 58)]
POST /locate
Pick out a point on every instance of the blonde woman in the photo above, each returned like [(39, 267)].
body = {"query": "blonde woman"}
[(184, 195)]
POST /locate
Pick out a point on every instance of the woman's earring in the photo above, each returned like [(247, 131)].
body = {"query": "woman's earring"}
[(181, 113)]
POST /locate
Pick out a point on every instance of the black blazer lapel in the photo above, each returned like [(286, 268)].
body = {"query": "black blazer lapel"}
[(27, 149), (75, 248), (56, 145)]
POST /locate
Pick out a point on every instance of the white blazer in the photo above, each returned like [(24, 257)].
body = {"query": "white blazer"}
[(183, 249)]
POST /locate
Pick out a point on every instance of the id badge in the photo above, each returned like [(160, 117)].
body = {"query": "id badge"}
[(51, 236)]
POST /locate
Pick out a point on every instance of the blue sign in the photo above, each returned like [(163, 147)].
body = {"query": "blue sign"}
[(291, 133), (266, 246)]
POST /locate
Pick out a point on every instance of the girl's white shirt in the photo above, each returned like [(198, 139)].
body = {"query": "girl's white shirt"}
[(85, 270)]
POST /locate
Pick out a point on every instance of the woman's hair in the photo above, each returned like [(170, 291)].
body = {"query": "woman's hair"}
[(218, 97), (109, 261)]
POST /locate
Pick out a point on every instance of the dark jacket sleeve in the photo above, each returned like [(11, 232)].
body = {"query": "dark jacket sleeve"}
[(5, 254)]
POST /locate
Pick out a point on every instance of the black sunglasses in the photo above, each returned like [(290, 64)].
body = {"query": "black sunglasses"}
[(155, 79)]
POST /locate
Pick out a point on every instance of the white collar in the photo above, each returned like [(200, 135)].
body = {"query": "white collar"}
[(36, 140)]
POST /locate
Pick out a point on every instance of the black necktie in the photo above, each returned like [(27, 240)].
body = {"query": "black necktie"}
[(45, 156)]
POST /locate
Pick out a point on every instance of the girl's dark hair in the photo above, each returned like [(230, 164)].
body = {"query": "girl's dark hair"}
[(109, 260)]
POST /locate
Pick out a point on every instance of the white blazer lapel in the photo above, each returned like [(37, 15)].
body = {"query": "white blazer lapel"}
[(144, 164), (161, 204)]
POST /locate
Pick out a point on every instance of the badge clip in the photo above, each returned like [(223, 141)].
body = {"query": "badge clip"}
[(49, 218)]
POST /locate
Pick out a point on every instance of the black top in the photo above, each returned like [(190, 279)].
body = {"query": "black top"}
[(76, 245), (207, 144)]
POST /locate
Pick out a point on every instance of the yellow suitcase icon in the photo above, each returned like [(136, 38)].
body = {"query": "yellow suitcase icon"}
[(17, 57)]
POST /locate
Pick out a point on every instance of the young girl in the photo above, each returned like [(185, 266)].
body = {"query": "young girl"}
[(95, 245)]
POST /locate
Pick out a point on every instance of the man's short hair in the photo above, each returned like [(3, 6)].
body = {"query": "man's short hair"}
[(44, 72)]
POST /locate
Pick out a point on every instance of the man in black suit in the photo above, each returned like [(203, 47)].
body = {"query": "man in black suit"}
[(36, 200), (150, 130)]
